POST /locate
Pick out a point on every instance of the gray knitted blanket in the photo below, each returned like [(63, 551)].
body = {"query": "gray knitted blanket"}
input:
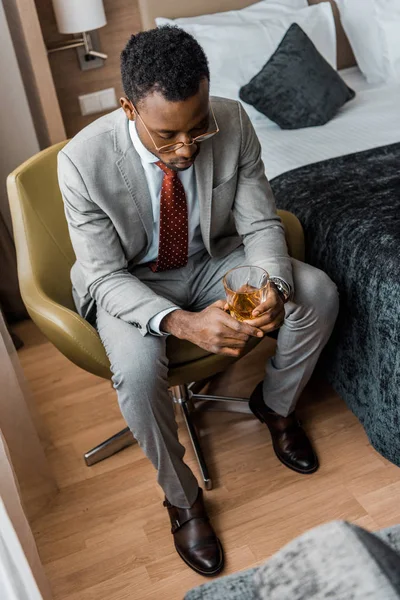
[(350, 210)]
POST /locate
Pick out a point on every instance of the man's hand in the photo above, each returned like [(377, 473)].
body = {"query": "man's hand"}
[(212, 329), (269, 315)]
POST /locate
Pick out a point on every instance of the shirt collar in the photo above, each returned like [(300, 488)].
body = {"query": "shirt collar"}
[(145, 155)]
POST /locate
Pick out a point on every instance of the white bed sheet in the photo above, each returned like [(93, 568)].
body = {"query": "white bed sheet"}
[(372, 119)]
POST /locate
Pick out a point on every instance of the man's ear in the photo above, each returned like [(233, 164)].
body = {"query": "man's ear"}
[(128, 108)]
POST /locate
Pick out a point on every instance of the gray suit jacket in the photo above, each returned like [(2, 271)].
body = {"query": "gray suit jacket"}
[(109, 211)]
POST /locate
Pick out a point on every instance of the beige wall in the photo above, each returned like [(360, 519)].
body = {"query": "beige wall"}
[(70, 81), (35, 70), (18, 140)]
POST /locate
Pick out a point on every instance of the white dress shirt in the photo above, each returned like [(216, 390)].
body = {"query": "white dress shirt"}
[(154, 177)]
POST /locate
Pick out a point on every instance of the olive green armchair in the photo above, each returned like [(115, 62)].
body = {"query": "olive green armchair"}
[(45, 257)]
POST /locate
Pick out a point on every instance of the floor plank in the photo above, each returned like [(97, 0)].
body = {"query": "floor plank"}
[(106, 535)]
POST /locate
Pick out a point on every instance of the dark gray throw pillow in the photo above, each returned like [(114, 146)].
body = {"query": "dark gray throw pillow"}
[(297, 87)]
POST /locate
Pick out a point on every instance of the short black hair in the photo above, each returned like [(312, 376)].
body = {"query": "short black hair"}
[(166, 59)]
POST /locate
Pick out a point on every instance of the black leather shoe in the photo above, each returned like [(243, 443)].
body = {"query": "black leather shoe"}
[(194, 538), (290, 442)]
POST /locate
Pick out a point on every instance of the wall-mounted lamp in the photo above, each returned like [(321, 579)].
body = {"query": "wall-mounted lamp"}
[(79, 17)]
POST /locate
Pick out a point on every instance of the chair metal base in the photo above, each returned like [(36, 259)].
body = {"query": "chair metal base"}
[(114, 444), (182, 395), (189, 403)]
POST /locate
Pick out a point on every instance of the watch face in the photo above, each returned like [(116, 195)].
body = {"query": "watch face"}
[(282, 289)]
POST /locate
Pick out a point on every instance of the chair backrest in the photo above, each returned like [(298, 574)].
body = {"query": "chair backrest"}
[(45, 253)]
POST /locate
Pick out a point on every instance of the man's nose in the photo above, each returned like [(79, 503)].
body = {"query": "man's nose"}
[(187, 152)]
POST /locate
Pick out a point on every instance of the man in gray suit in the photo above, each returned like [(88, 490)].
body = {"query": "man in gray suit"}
[(162, 198)]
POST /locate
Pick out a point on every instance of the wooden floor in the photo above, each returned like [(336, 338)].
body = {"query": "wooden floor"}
[(106, 536)]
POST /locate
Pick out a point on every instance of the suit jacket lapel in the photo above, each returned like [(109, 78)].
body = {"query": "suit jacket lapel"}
[(132, 172), (204, 180)]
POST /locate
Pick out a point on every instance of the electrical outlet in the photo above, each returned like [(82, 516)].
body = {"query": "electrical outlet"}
[(97, 102)]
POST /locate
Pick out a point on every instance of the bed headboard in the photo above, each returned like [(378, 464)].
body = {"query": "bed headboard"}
[(344, 53), (172, 9)]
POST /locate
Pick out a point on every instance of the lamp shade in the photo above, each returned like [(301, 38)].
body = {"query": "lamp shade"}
[(76, 16)]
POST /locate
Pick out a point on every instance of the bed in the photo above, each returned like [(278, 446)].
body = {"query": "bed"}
[(343, 182)]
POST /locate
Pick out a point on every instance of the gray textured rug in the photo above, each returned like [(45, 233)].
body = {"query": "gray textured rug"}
[(350, 210), (242, 585)]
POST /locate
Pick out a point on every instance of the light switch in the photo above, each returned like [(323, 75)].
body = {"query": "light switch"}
[(89, 104), (97, 102)]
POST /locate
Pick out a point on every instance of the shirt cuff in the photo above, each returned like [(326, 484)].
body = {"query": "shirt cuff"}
[(153, 325)]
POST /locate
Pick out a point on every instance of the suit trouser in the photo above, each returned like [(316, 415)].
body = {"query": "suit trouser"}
[(140, 366)]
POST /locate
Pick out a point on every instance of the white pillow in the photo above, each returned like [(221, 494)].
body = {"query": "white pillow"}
[(236, 52), (254, 12), (373, 29)]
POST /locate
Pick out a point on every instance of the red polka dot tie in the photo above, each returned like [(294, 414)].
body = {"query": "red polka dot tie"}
[(173, 237)]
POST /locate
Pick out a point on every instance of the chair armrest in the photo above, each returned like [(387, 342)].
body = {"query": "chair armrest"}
[(70, 333), (294, 234)]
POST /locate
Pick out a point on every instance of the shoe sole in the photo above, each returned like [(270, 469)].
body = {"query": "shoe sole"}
[(205, 573), (283, 461)]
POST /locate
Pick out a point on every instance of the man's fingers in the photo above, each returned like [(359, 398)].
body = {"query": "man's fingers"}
[(233, 343), (275, 324), (227, 333), (267, 318), (272, 326), (241, 326), (271, 302), (219, 304), (236, 352), (264, 307)]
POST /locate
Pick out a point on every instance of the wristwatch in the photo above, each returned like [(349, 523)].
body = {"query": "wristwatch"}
[(283, 288)]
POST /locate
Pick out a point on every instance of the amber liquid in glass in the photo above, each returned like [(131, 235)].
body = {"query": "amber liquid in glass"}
[(241, 304)]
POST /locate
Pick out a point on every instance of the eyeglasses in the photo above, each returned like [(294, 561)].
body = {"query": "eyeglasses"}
[(174, 147)]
